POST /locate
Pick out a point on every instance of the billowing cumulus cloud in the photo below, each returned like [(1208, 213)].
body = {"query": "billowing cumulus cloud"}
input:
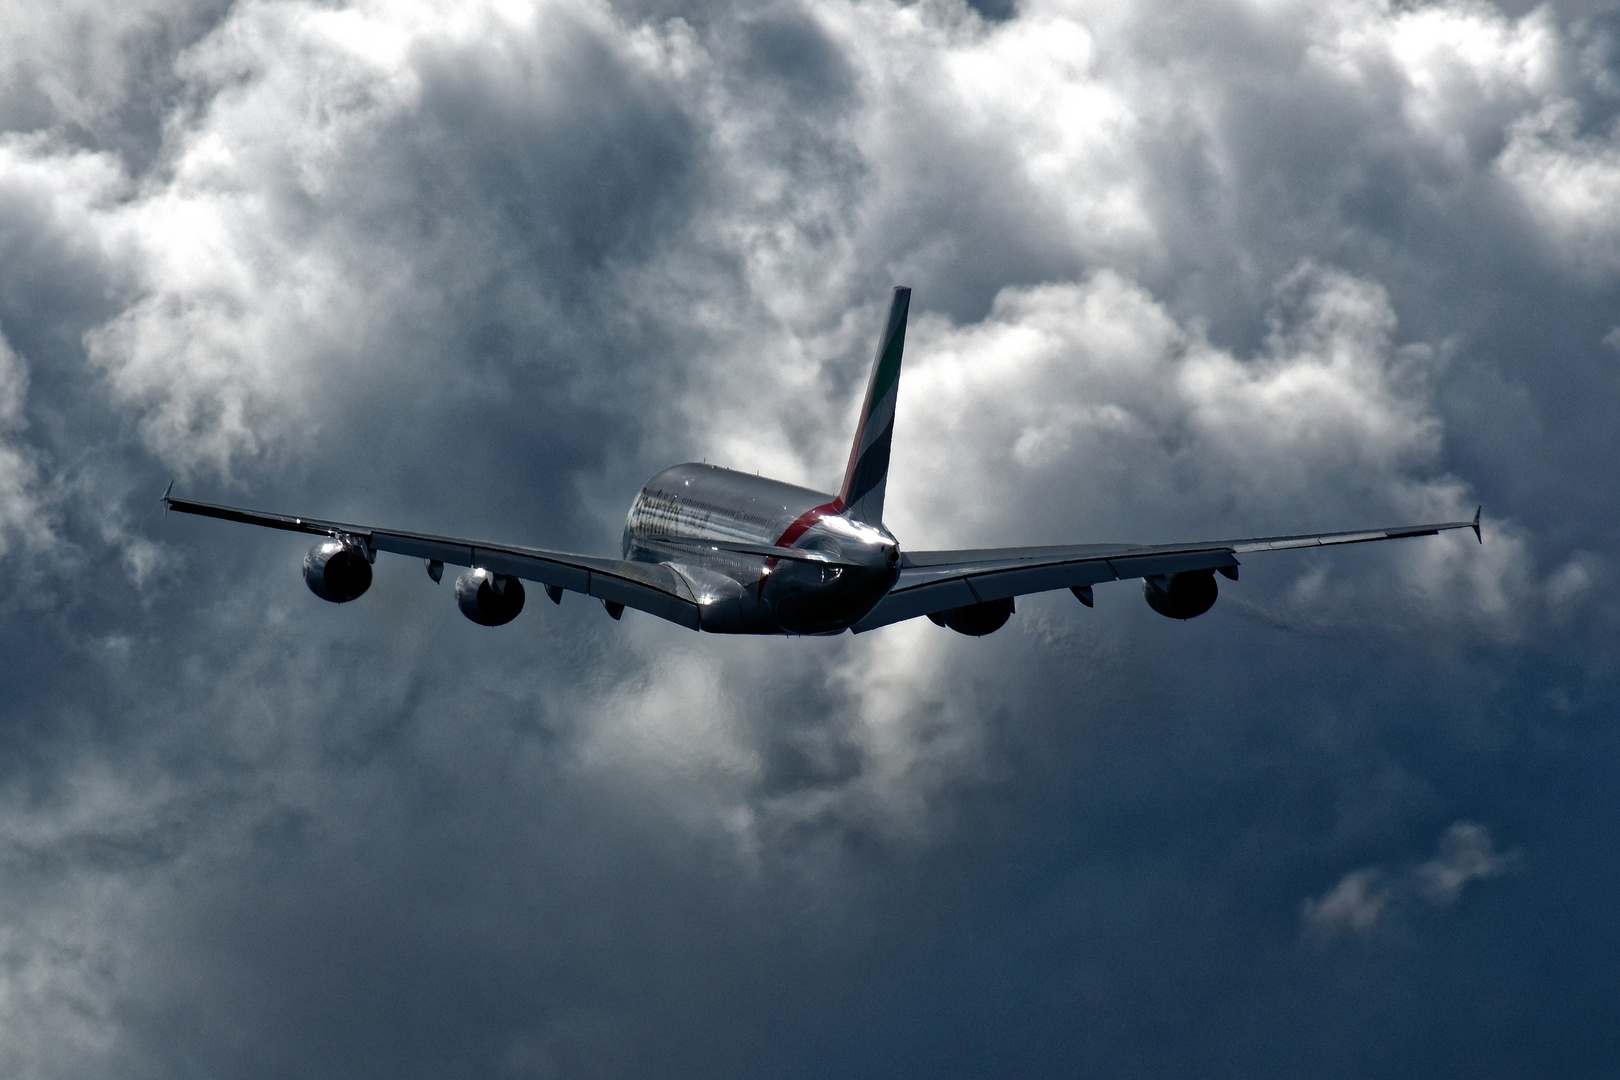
[(1181, 270)]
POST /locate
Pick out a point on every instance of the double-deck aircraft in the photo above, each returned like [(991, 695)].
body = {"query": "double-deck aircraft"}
[(733, 553)]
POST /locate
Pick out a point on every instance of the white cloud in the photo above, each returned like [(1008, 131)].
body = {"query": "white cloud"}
[(1355, 903), (23, 513), (1095, 390), (1570, 182), (1459, 70), (258, 292), (1466, 855), (270, 272), (1361, 898), (78, 62)]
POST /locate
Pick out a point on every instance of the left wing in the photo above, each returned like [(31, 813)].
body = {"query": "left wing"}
[(933, 581), (647, 587)]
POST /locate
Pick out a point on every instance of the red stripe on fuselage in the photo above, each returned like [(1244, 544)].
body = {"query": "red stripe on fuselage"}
[(804, 521), (801, 525)]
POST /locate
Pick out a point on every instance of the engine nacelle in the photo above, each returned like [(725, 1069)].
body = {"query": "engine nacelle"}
[(1186, 595), (976, 620), (487, 598), (337, 570)]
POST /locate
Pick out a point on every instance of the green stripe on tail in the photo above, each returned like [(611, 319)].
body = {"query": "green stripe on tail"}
[(866, 477)]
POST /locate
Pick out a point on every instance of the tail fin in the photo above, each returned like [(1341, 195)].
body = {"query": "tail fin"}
[(868, 472)]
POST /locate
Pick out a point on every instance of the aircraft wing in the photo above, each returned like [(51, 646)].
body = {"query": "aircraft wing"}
[(933, 581), (647, 587)]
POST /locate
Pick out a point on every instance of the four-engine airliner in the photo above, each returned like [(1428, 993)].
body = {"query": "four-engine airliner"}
[(734, 553)]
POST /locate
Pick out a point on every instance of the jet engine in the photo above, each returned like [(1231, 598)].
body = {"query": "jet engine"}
[(1181, 596), (337, 570), (487, 598), (976, 620)]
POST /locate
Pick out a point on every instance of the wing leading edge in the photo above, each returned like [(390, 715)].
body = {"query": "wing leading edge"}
[(934, 581), (655, 589)]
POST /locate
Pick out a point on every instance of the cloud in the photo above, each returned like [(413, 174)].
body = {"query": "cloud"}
[(1466, 854), (95, 71), (279, 254), (1569, 183), (1355, 903), (1181, 270), (1099, 375), (22, 513)]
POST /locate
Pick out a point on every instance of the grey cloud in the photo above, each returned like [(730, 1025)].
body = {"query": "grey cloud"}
[(483, 268), (99, 77), (790, 48)]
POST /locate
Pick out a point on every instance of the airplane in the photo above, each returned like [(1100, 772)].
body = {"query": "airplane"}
[(727, 552)]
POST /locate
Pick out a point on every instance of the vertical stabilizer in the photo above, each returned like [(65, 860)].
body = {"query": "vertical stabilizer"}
[(868, 473)]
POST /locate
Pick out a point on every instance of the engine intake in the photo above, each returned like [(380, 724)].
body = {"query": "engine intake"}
[(1186, 595), (337, 570), (487, 598), (976, 620)]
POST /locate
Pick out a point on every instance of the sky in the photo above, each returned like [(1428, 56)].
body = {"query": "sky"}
[(1182, 270)]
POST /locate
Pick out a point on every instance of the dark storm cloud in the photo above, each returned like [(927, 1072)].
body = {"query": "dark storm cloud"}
[(482, 268)]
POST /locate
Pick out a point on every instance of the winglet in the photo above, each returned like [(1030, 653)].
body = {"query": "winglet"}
[(1478, 511), (166, 498)]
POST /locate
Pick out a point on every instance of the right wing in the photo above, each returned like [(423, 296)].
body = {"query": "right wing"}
[(934, 581), (648, 587)]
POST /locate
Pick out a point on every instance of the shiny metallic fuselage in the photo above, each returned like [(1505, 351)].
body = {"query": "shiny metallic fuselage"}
[(737, 593)]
